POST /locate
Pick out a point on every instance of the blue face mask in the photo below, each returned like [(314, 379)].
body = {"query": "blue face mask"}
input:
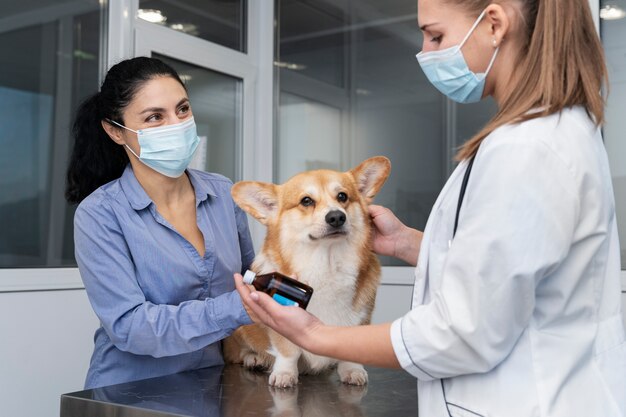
[(449, 73), (167, 149)]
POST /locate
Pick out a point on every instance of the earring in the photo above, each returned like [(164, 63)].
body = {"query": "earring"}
[(495, 43)]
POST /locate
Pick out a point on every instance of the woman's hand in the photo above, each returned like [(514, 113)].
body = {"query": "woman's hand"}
[(392, 238), (292, 322), (361, 344), (250, 312)]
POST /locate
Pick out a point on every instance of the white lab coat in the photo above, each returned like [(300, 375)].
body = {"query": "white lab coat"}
[(519, 314)]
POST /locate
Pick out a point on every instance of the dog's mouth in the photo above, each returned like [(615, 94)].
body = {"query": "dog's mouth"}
[(332, 234)]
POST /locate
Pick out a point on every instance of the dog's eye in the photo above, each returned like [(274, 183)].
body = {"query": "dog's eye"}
[(307, 201), (342, 197)]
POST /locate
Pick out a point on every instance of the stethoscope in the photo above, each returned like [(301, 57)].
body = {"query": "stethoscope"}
[(462, 193), (456, 223)]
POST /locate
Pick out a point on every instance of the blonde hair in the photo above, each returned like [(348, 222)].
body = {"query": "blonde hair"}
[(560, 64)]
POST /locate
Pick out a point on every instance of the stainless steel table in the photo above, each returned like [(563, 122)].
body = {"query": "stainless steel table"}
[(233, 391)]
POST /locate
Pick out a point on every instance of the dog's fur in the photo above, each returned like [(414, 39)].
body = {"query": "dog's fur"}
[(306, 239)]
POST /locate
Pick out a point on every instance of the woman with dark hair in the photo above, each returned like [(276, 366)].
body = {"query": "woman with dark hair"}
[(156, 243)]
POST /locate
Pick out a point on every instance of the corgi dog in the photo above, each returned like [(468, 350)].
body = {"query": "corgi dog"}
[(319, 232)]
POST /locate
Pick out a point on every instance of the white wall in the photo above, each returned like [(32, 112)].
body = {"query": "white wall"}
[(392, 302), (46, 340)]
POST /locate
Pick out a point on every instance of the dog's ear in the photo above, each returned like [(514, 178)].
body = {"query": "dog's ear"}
[(258, 199), (370, 176)]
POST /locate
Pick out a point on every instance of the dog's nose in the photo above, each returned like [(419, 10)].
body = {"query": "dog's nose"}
[(336, 218)]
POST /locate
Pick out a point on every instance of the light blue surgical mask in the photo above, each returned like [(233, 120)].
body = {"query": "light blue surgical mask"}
[(167, 149), (447, 70)]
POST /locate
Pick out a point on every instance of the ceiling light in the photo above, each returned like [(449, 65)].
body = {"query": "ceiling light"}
[(609, 12), (151, 15), (185, 77), (290, 65)]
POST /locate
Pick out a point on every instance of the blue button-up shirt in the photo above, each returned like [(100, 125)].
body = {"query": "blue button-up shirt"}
[(162, 307)]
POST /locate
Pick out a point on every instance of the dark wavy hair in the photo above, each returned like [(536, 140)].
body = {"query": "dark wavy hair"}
[(95, 158)]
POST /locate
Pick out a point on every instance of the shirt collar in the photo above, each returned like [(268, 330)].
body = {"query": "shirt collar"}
[(139, 200), (201, 186)]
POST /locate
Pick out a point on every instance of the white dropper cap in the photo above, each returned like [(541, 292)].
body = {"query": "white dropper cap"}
[(248, 277)]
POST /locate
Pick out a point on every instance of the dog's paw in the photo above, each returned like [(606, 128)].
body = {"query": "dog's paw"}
[(352, 375), (283, 379), (253, 361)]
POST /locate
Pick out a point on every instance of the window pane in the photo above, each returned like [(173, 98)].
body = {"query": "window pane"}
[(313, 39), (377, 101), (307, 146), (216, 101), (613, 32), (49, 61), (219, 21)]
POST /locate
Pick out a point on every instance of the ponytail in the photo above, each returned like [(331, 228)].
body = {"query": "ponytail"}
[(561, 65), (96, 159)]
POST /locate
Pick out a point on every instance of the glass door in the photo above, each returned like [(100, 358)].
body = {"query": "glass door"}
[(223, 52), (216, 87), (51, 54), (216, 101), (349, 87)]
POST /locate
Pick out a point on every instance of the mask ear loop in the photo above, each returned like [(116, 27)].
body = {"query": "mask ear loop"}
[(493, 58), (127, 128), (480, 17), (122, 126)]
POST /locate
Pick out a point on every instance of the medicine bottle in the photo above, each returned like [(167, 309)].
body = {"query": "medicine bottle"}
[(286, 291)]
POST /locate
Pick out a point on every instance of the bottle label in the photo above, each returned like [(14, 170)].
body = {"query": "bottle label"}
[(284, 301)]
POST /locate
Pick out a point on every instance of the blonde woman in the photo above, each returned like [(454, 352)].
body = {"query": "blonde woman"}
[(516, 307)]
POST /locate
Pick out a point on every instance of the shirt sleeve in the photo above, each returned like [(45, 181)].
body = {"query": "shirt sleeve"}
[(132, 323), (516, 226)]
